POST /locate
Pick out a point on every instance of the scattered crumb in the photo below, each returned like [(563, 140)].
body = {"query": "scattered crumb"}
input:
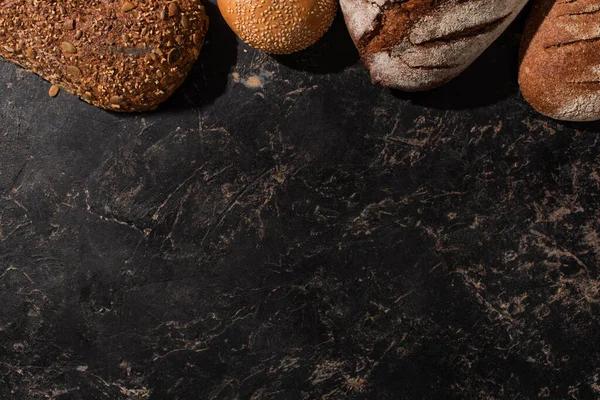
[(256, 81), (253, 82), (53, 92)]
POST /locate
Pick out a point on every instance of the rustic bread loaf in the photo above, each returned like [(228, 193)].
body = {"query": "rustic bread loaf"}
[(119, 55), (279, 26), (559, 73), (417, 45)]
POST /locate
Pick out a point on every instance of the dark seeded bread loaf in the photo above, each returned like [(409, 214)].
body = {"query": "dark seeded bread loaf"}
[(417, 45), (559, 74), (119, 55)]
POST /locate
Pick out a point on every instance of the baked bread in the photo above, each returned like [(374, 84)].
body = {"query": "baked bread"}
[(559, 72), (118, 55), (415, 45), (279, 26)]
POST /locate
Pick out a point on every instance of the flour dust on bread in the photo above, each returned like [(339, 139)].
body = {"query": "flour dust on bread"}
[(119, 55), (559, 73), (415, 45)]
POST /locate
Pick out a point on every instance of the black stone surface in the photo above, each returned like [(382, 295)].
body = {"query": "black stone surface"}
[(316, 237)]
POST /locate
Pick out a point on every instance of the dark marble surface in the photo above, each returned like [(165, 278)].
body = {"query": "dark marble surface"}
[(294, 232)]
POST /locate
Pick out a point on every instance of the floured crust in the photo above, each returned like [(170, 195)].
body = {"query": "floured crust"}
[(417, 45), (559, 73), (118, 55)]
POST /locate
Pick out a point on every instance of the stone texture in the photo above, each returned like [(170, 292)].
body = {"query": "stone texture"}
[(283, 229)]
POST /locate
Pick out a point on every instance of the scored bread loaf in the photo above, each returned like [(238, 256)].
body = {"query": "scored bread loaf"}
[(559, 73), (415, 45), (118, 55)]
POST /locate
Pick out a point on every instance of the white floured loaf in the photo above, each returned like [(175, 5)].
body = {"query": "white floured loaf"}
[(415, 45)]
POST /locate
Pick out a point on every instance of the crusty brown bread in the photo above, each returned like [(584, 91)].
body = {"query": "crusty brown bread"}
[(416, 45), (559, 73), (279, 26), (118, 55)]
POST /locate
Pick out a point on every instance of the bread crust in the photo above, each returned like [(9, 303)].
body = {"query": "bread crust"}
[(559, 72), (279, 26), (415, 45), (118, 55)]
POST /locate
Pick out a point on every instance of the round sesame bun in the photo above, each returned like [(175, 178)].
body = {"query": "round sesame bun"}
[(279, 26)]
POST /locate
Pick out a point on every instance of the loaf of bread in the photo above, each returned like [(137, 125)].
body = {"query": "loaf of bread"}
[(415, 45), (119, 55), (559, 72), (279, 26)]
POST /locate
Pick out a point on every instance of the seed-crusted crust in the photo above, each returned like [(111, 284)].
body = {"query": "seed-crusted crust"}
[(279, 26), (118, 55), (417, 45), (559, 73)]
